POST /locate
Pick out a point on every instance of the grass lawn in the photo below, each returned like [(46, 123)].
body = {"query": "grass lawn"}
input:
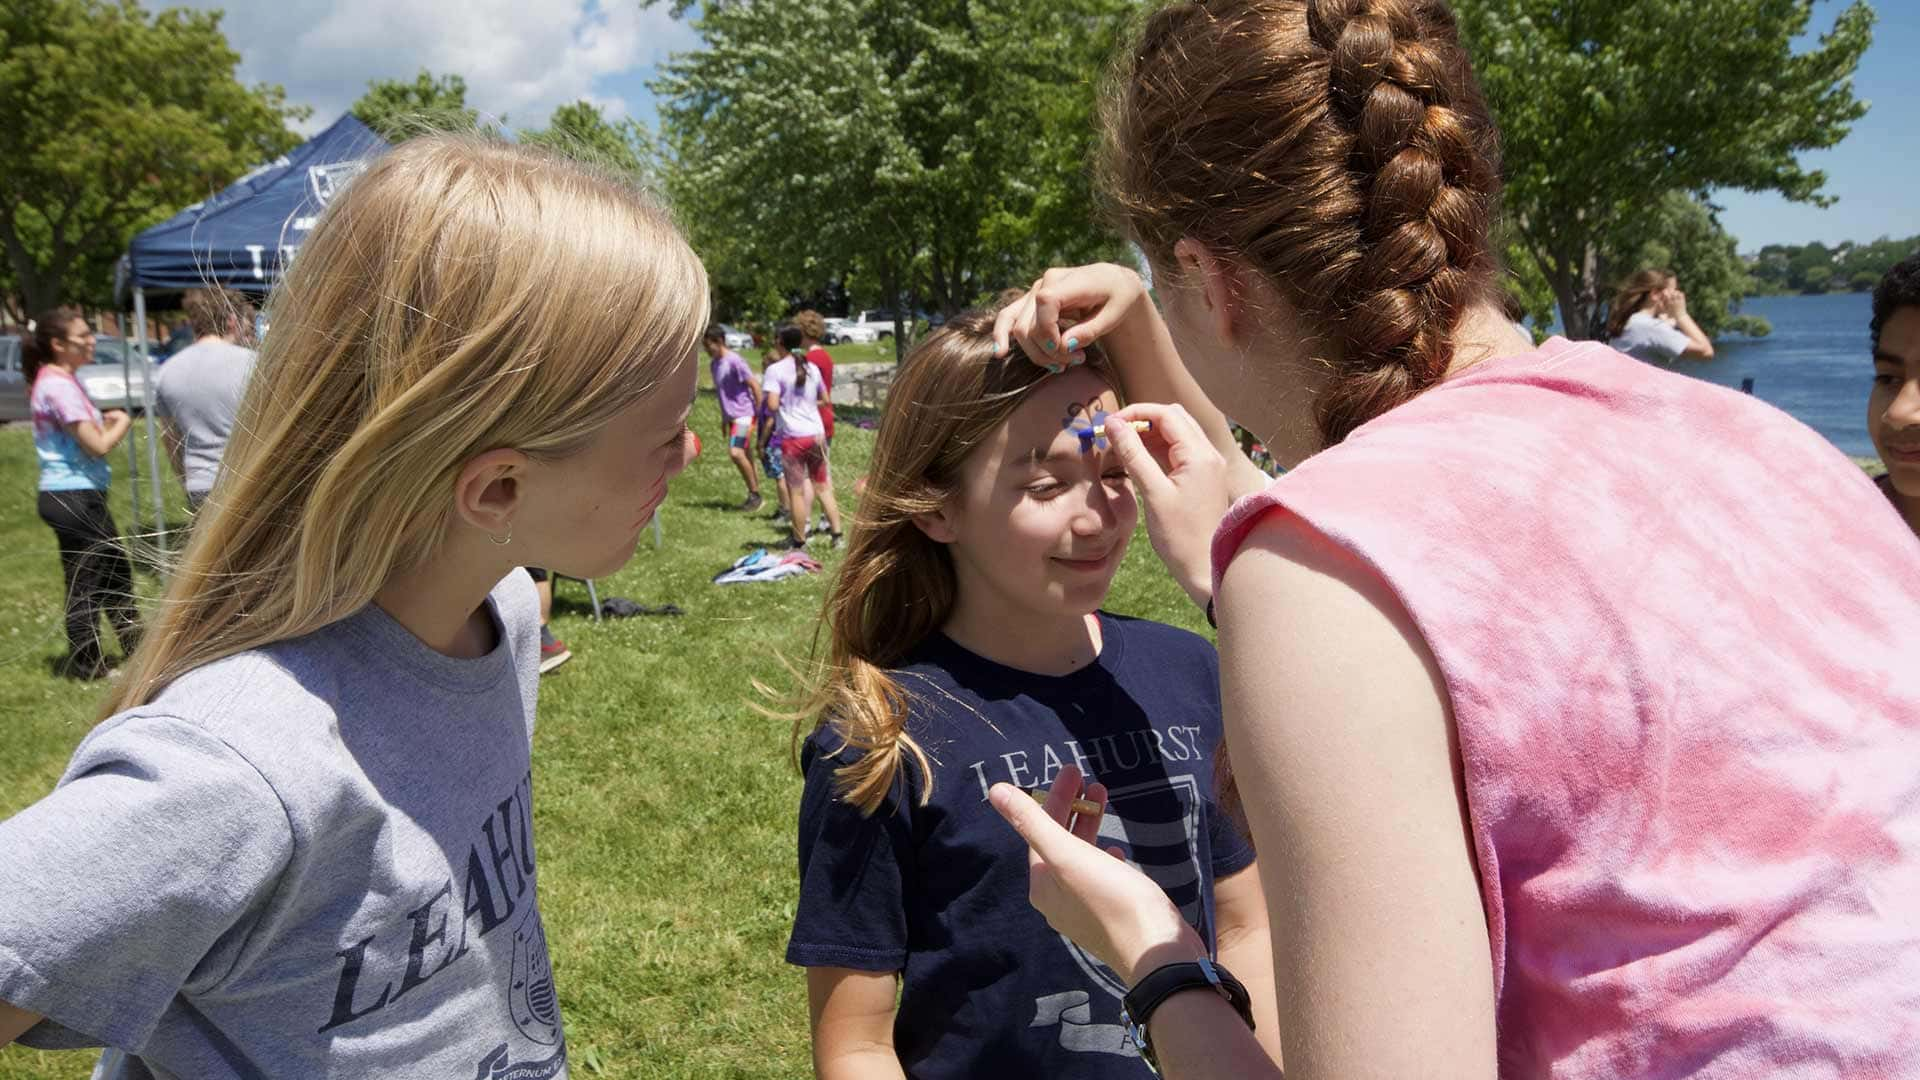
[(664, 803), (854, 352)]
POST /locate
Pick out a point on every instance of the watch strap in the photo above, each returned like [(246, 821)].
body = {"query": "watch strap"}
[(1137, 1008)]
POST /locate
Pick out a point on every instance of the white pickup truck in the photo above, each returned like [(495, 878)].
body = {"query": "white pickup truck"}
[(867, 326)]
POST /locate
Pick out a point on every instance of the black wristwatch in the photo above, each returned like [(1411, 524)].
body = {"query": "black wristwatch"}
[(1164, 982)]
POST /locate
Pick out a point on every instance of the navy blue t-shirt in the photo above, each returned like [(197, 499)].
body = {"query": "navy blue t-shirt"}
[(939, 892)]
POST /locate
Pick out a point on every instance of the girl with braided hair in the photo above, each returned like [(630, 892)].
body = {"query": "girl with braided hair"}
[(1566, 756)]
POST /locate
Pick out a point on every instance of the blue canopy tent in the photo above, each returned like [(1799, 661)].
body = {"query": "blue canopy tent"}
[(242, 238)]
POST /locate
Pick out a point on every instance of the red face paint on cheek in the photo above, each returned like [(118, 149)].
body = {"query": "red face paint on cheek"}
[(653, 503)]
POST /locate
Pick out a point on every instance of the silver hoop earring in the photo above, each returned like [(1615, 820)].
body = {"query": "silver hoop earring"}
[(503, 543)]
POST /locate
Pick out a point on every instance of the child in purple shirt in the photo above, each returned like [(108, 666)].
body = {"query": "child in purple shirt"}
[(735, 384)]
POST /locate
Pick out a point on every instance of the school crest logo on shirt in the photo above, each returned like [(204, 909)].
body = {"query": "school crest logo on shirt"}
[(499, 1065), (530, 995), (1157, 824)]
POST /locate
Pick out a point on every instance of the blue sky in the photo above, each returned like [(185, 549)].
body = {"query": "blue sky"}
[(1873, 172), (523, 59)]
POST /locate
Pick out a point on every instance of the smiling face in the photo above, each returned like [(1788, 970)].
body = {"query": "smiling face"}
[(584, 513), (1893, 409), (1037, 527)]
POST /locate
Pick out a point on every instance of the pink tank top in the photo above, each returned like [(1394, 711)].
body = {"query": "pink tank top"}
[(1681, 637)]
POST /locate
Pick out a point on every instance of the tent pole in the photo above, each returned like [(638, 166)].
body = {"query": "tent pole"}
[(133, 459), (146, 404)]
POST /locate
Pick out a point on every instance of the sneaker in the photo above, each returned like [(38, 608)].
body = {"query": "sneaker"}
[(754, 502), (553, 651), (798, 543), (836, 541), (780, 516)]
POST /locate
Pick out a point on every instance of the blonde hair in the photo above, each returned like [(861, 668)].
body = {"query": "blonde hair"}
[(461, 295), (896, 585)]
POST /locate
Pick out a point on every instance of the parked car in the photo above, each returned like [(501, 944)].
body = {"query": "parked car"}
[(110, 385), (736, 339), (839, 330), (13, 382), (103, 380), (879, 323)]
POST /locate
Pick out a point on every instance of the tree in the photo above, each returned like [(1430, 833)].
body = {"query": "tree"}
[(1605, 107), (579, 130), (115, 118), (1801, 267), (890, 143), (1783, 268), (1682, 233), (397, 110)]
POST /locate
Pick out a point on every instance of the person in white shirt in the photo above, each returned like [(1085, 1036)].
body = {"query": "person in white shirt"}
[(1649, 320), (794, 388)]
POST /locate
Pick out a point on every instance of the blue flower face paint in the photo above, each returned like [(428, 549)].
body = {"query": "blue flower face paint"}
[(1084, 425)]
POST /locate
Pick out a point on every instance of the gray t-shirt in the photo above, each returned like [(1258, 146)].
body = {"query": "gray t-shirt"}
[(1651, 338), (200, 390), (311, 859)]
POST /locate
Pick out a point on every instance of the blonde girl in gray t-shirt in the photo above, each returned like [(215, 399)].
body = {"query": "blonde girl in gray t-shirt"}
[(299, 843)]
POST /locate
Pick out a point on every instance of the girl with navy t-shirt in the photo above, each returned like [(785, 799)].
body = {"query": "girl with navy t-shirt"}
[(968, 648)]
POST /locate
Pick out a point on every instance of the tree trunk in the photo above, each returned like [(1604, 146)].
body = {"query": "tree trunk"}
[(1575, 278), (38, 291), (890, 285), (1560, 279)]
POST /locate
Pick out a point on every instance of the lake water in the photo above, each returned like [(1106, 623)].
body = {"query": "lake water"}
[(1816, 365)]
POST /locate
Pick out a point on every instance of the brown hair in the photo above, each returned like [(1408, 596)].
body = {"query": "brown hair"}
[(896, 585), (811, 324), (1632, 296), (213, 311), (1341, 149), (36, 345)]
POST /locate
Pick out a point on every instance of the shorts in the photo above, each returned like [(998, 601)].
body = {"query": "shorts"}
[(770, 459), (805, 455), (739, 430)]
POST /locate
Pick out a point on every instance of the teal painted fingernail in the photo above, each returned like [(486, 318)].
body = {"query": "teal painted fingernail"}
[(1047, 345), (1055, 369), (1073, 343)]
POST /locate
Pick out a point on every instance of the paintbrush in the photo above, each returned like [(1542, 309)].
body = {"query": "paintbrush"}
[(1080, 806)]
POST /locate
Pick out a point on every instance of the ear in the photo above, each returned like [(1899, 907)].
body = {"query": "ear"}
[(939, 526), (488, 492), (1221, 285)]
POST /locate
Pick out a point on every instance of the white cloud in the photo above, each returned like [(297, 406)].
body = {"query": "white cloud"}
[(519, 59)]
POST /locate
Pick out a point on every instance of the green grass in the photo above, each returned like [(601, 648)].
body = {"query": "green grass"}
[(873, 352), (663, 802)]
